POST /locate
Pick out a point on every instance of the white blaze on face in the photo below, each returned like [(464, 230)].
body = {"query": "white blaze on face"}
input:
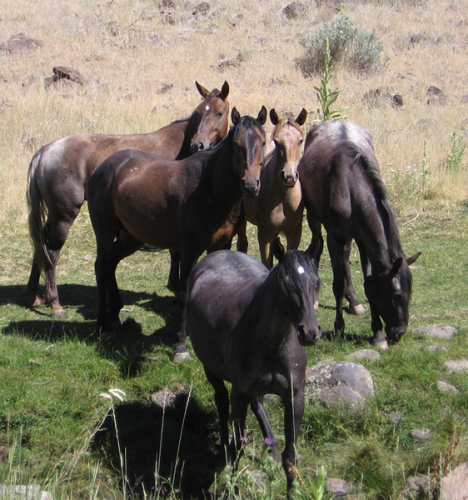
[(300, 270), (207, 107)]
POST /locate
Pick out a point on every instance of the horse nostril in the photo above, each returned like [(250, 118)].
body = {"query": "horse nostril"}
[(201, 147)]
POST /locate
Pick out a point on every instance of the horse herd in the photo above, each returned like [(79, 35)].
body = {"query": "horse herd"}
[(190, 187)]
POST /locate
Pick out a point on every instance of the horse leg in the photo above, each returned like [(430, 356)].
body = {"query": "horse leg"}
[(293, 237), (355, 307), (56, 231), (264, 244), (173, 284), (268, 434), (242, 241), (379, 339), (337, 251), (221, 397), (317, 239), (239, 406), (293, 411)]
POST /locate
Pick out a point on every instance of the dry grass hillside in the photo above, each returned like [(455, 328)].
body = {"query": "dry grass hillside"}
[(140, 60)]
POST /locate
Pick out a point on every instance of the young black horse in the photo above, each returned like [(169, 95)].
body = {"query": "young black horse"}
[(248, 327), (59, 172), (137, 198), (343, 190)]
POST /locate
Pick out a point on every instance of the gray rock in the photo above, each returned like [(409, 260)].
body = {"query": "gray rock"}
[(420, 434), (366, 354), (436, 348), (455, 485), (165, 398), (395, 417), (416, 488), (446, 387), (339, 384), (440, 332), (338, 487), (457, 365), (24, 492)]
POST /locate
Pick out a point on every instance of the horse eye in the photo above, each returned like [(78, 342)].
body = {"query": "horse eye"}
[(220, 114), (301, 141)]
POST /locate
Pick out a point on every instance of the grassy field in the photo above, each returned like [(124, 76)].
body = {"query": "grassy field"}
[(140, 61)]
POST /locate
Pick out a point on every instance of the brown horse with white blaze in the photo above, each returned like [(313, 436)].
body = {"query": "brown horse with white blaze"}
[(343, 190), (137, 198), (59, 172), (278, 208)]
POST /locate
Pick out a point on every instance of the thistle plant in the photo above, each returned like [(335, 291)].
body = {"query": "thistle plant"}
[(326, 95)]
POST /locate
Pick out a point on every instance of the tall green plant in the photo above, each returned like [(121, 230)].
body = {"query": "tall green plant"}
[(326, 95)]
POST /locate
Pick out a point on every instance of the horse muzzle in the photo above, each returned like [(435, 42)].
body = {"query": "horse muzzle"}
[(308, 337), (289, 180), (250, 188)]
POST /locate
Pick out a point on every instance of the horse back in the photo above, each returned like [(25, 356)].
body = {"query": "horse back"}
[(219, 290), (339, 175)]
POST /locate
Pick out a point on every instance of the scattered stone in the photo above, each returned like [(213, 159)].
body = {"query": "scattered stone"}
[(294, 10), (339, 384), (440, 332), (64, 73), (165, 398), (416, 487), (455, 365), (446, 387), (435, 96), (426, 123), (19, 43), (436, 348), (395, 417), (165, 88), (338, 487), (382, 97), (201, 9), (27, 492), (366, 354), (420, 434), (455, 485), (88, 258)]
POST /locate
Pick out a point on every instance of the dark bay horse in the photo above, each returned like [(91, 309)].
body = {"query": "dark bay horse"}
[(248, 326), (343, 190), (137, 198), (278, 208), (59, 172)]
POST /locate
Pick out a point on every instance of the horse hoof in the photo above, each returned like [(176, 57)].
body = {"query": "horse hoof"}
[(58, 313), (107, 336), (316, 305), (357, 310), (381, 344), (179, 357)]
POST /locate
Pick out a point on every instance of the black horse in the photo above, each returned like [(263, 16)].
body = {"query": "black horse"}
[(248, 327), (343, 190)]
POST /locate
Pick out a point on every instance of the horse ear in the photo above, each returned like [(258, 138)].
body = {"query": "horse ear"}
[(413, 259), (262, 115), (302, 117), (235, 116), (224, 91), (274, 116), (396, 266), (278, 249), (314, 249), (203, 92)]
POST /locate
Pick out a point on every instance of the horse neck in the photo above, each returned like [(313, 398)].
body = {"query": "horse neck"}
[(190, 126), (225, 184), (268, 313), (389, 248)]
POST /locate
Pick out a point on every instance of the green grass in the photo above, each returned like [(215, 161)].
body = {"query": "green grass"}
[(57, 431)]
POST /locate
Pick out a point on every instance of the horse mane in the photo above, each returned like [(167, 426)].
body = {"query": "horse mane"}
[(382, 200)]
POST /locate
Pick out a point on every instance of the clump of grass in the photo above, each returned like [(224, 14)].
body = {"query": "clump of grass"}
[(354, 48), (455, 155)]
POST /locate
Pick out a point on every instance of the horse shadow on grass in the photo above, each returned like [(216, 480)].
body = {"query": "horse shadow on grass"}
[(127, 348), (163, 449)]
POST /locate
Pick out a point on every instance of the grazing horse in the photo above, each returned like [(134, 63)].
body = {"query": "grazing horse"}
[(343, 190), (137, 198), (248, 326), (278, 208), (59, 172)]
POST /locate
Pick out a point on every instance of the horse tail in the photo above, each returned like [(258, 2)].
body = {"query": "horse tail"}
[(36, 212)]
